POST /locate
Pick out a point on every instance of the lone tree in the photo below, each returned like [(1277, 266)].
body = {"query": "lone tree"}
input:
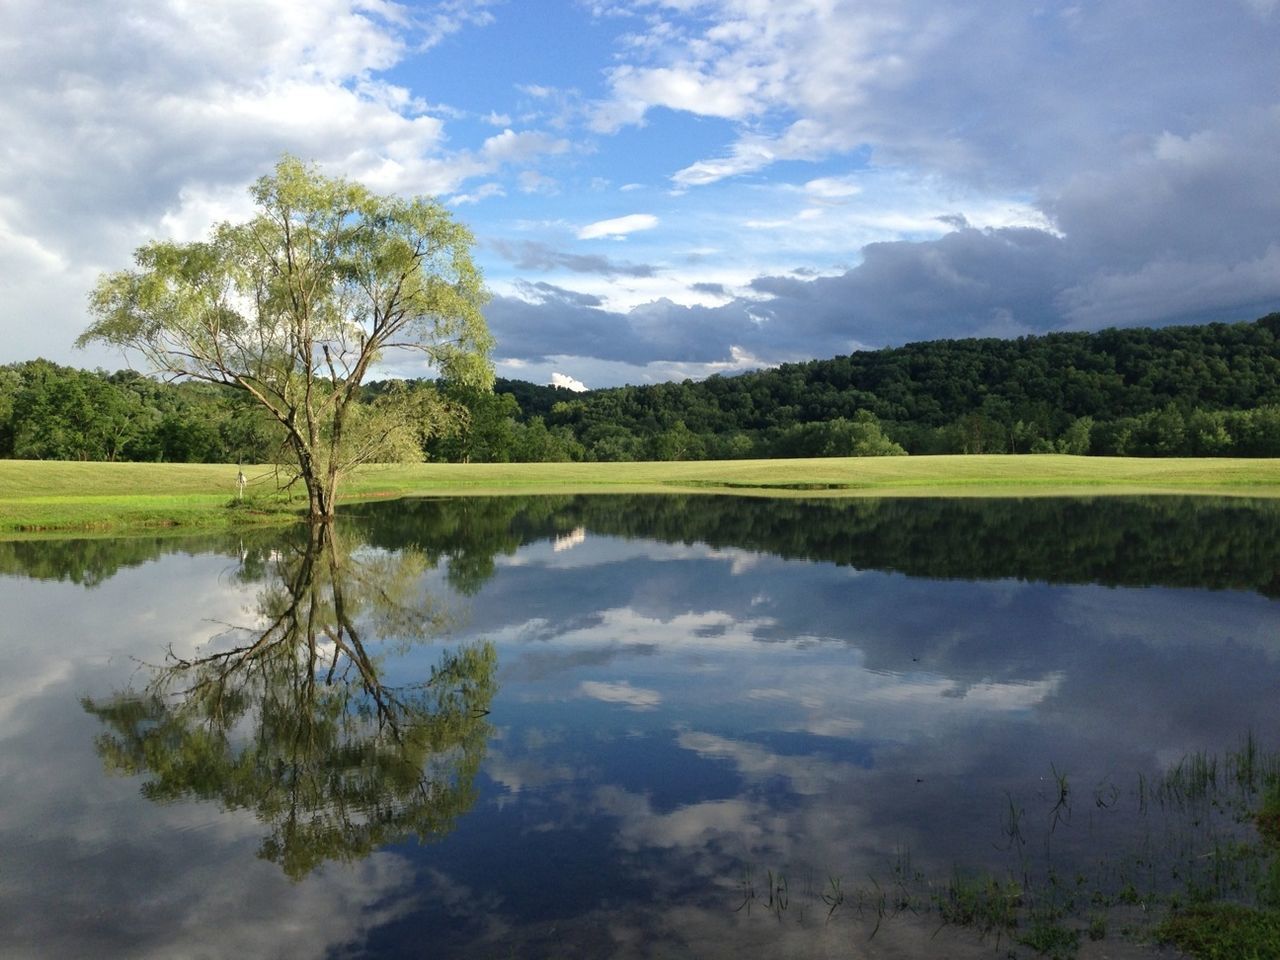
[(296, 304)]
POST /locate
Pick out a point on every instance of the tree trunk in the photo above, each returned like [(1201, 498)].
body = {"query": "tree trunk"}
[(319, 494), (320, 500)]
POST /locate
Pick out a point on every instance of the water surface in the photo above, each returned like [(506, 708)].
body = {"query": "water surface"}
[(622, 726)]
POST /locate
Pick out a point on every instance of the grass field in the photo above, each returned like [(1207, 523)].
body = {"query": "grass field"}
[(58, 496)]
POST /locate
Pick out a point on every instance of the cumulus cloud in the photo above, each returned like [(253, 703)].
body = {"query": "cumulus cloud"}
[(1183, 230), (568, 383), (932, 170), (814, 77), (509, 146), (687, 87), (1117, 170), (153, 119)]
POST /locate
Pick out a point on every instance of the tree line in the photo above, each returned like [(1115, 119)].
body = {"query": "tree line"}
[(1207, 390), (1200, 542)]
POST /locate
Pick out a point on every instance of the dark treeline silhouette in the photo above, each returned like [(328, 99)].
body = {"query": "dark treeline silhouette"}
[(1208, 390)]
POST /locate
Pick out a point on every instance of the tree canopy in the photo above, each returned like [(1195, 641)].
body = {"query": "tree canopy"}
[(294, 306)]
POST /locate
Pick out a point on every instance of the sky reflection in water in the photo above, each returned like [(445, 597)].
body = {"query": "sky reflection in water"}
[(690, 692)]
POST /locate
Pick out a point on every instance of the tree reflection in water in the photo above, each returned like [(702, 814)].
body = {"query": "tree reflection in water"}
[(298, 722)]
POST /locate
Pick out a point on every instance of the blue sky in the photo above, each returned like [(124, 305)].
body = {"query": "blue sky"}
[(672, 188)]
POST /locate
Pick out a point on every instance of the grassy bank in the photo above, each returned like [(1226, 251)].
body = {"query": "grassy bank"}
[(56, 496)]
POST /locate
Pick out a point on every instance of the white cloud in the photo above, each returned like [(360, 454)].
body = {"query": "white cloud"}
[(568, 382), (483, 192), (833, 188), (746, 157), (637, 698), (685, 88), (567, 541), (145, 120), (511, 147), (807, 775), (1153, 171), (618, 226), (531, 181), (694, 825)]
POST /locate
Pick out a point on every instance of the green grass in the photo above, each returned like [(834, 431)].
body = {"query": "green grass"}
[(1223, 931), (59, 496)]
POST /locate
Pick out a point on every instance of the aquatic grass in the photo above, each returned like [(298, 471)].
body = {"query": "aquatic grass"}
[(1267, 817), (833, 896), (984, 903), (1202, 873), (1223, 931), (779, 894), (1050, 938), (1061, 810)]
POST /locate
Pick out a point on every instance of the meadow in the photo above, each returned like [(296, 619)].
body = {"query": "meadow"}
[(53, 496)]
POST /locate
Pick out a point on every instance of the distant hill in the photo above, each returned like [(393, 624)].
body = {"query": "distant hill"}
[(1211, 390), (535, 400), (1188, 390)]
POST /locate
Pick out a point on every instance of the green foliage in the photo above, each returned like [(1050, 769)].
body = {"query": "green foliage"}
[(1210, 390), (1181, 391), (294, 306), (859, 437)]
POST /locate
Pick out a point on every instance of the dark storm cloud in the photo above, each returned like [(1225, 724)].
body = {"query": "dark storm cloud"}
[(543, 292), (1147, 138), (531, 255), (715, 289), (994, 282), (969, 282)]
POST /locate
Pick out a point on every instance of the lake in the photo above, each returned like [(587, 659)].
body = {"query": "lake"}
[(641, 726)]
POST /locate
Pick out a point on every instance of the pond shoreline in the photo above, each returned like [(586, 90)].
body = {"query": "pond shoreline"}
[(56, 498)]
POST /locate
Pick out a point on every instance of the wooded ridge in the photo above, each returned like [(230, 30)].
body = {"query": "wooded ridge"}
[(1207, 390)]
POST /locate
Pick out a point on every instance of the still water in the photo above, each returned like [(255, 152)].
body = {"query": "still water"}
[(636, 727)]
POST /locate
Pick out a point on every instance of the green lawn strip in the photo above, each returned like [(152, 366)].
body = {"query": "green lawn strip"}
[(934, 476), (51, 495)]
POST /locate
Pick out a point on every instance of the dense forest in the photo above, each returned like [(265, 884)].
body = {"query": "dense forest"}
[(1209, 390)]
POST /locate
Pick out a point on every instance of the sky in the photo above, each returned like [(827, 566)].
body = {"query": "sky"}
[(662, 189)]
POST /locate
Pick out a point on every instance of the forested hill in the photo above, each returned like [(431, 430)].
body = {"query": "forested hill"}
[(1192, 390), (1210, 390)]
